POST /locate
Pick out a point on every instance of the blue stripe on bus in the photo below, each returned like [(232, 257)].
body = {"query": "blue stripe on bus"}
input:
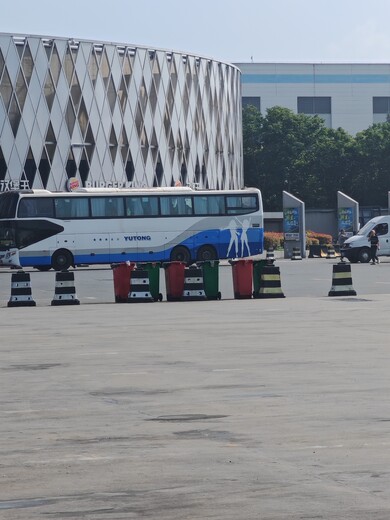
[(221, 240)]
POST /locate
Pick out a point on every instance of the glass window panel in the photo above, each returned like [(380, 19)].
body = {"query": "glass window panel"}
[(381, 229), (27, 208), (68, 208), (107, 207), (237, 204), (381, 105), (305, 105), (314, 105), (322, 105), (141, 206), (8, 202), (209, 205), (253, 101), (6, 88), (45, 207), (27, 64), (180, 205)]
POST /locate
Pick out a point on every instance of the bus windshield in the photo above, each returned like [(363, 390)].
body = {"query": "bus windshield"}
[(91, 226), (8, 203)]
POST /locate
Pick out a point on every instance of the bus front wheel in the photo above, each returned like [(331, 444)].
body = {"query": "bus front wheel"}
[(180, 254), (206, 253), (61, 260)]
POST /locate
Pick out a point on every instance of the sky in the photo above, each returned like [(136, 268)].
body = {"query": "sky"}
[(235, 31)]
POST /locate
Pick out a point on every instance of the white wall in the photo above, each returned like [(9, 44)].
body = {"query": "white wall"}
[(350, 86)]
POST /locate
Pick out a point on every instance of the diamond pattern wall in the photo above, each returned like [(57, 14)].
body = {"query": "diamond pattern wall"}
[(115, 114)]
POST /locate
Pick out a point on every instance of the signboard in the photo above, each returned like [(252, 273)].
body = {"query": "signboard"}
[(346, 220), (14, 185), (291, 223)]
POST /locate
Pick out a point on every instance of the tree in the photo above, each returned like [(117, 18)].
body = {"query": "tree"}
[(370, 161), (296, 153)]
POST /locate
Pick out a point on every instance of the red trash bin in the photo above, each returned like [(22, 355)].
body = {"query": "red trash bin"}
[(122, 275), (174, 280), (242, 278)]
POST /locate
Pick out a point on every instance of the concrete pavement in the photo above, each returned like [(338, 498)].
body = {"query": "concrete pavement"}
[(252, 409)]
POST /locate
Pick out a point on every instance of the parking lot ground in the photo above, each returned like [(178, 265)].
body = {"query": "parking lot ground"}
[(271, 409)]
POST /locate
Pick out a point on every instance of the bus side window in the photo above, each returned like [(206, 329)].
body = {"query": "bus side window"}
[(114, 207), (27, 208), (216, 205), (44, 207), (134, 207), (200, 205)]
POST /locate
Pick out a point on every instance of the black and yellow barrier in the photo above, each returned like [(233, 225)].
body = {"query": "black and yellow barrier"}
[(322, 251), (296, 253), (270, 256), (270, 283), (342, 281)]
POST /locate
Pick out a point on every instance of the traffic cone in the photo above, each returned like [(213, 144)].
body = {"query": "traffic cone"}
[(270, 283), (21, 294), (193, 284), (331, 252), (342, 281), (139, 287), (296, 254), (65, 291), (270, 256)]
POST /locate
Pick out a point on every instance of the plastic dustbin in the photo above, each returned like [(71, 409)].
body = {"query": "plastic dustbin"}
[(258, 266), (242, 278), (153, 269), (122, 275), (174, 280), (210, 270)]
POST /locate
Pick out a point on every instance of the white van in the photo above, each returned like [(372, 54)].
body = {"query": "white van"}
[(357, 248)]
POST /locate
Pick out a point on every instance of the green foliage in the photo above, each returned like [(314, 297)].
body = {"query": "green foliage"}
[(313, 238), (276, 240), (298, 154), (273, 239)]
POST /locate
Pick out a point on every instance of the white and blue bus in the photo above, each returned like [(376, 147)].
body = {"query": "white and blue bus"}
[(100, 225)]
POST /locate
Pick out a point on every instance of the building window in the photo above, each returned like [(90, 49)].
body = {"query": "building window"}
[(381, 109), (316, 106), (251, 101)]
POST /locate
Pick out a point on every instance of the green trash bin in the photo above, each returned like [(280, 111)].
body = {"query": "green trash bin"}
[(210, 269), (258, 266), (153, 269)]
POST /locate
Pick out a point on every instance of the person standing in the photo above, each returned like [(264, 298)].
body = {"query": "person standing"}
[(374, 241), (341, 239)]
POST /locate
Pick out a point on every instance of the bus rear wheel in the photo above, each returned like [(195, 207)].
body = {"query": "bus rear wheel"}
[(180, 254), (206, 253), (61, 260)]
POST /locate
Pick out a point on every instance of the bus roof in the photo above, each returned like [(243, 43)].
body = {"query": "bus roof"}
[(130, 191)]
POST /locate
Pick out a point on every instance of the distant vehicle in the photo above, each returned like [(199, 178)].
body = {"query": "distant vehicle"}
[(357, 248), (100, 225), (9, 257)]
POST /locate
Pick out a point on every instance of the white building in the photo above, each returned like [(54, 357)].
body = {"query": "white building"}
[(351, 96), (115, 114)]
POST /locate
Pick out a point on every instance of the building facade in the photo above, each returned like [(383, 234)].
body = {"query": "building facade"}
[(350, 96), (115, 115)]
